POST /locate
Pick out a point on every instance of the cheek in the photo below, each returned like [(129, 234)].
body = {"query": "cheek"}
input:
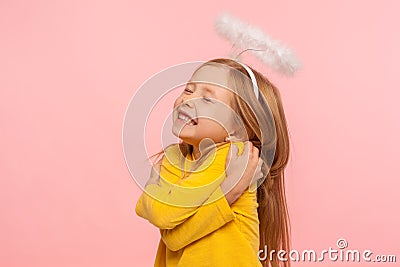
[(177, 101), (211, 126)]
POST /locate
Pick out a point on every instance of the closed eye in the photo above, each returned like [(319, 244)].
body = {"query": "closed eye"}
[(207, 99)]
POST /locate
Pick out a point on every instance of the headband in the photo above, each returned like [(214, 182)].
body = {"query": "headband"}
[(252, 77)]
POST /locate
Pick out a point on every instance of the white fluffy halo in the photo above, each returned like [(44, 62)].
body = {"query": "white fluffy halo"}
[(243, 35)]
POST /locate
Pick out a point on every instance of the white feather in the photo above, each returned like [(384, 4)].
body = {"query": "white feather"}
[(245, 36)]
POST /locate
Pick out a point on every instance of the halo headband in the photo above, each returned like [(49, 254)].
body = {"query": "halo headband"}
[(243, 35), (253, 78)]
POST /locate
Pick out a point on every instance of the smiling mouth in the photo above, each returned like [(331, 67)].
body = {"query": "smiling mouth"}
[(186, 118)]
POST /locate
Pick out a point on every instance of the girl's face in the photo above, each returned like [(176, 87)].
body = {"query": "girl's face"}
[(203, 110)]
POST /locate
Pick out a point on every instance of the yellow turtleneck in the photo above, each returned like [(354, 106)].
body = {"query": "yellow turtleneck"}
[(197, 225)]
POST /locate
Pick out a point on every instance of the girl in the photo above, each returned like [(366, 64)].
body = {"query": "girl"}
[(197, 193)]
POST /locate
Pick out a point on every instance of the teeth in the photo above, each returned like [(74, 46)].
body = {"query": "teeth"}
[(183, 117), (187, 119)]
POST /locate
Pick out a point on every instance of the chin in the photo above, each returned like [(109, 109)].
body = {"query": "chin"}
[(186, 139)]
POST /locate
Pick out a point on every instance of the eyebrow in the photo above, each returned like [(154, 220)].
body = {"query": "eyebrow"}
[(205, 87)]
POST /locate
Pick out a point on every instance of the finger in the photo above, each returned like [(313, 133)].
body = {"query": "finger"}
[(258, 167), (259, 163), (232, 153), (250, 144), (253, 187), (257, 170), (257, 175), (253, 184), (234, 150), (250, 151), (254, 158), (247, 148), (255, 151)]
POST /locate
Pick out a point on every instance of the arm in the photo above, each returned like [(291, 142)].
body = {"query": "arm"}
[(167, 216), (206, 220), (213, 216), (191, 224), (167, 205)]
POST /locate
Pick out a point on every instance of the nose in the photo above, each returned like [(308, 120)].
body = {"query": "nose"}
[(186, 101)]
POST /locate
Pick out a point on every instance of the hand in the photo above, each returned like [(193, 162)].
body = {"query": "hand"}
[(241, 171), (155, 174)]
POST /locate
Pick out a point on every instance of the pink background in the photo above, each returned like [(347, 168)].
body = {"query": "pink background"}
[(69, 68)]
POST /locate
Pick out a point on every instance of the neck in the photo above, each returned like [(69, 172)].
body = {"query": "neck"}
[(203, 146), (196, 152)]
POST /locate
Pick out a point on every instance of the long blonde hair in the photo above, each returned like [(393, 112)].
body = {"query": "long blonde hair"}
[(274, 227)]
